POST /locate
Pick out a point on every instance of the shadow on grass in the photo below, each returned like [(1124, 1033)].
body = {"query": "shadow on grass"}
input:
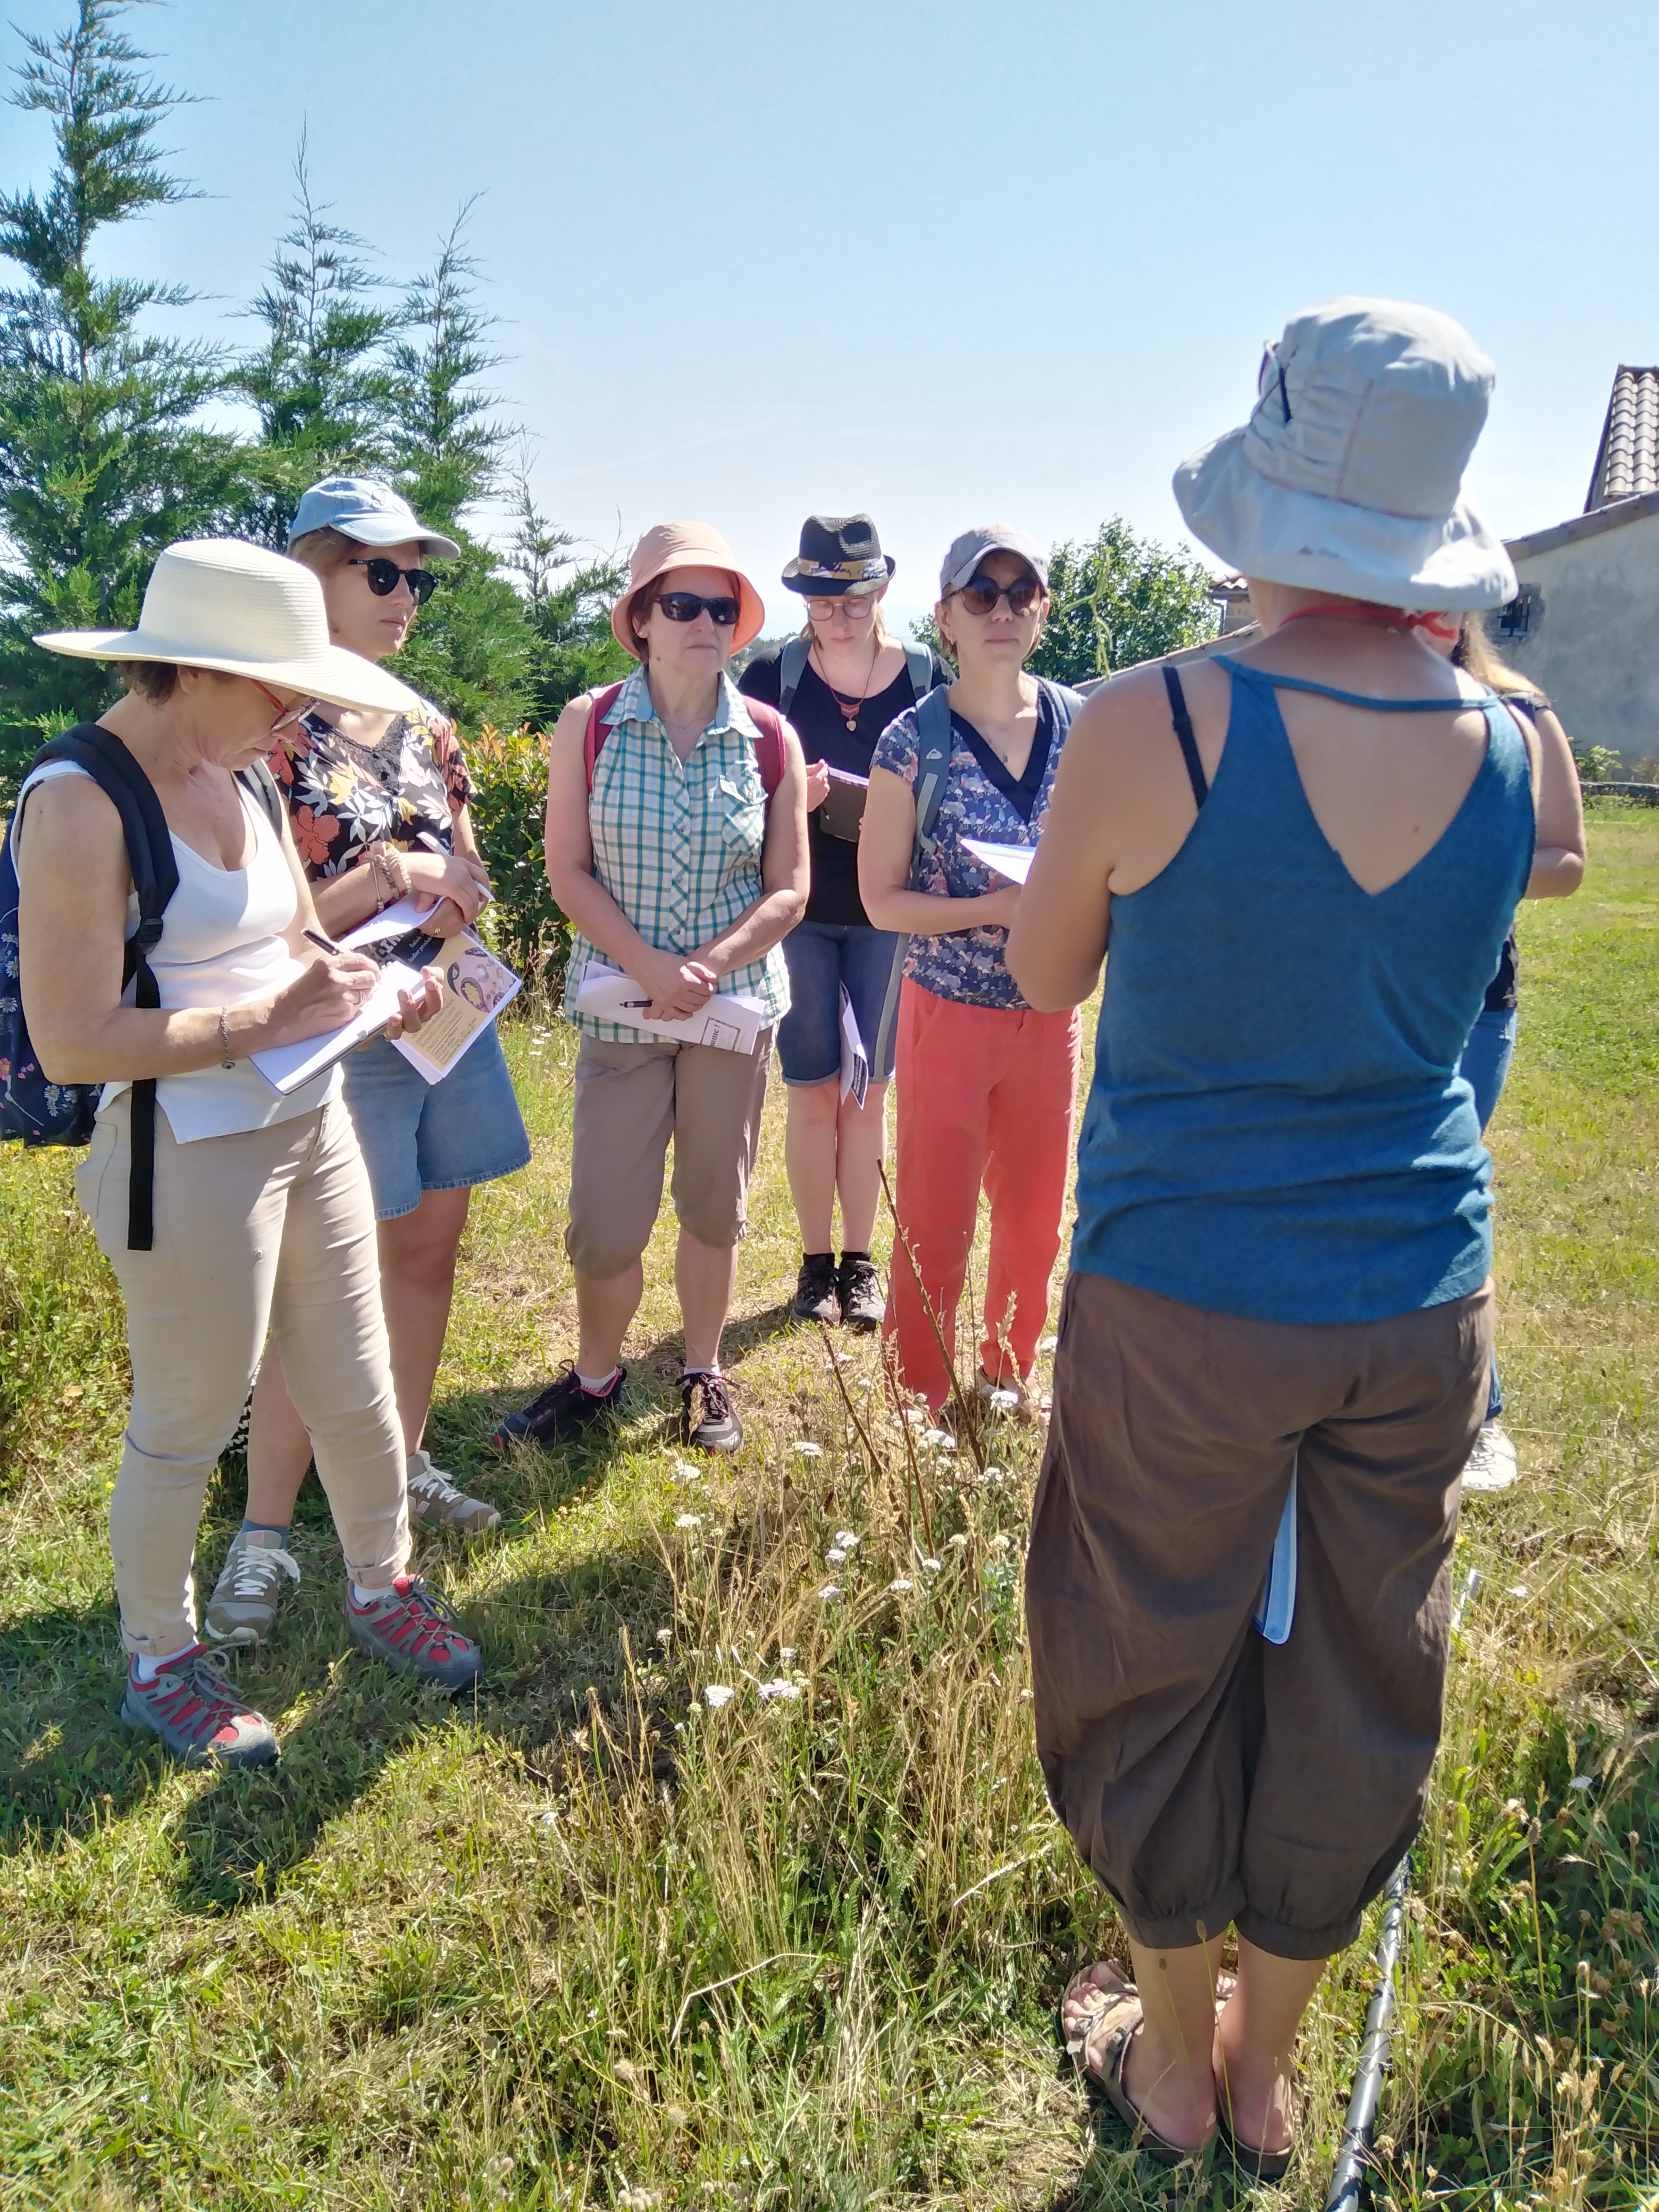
[(70, 1766)]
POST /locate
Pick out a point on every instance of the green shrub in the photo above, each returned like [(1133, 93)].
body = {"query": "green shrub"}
[(1599, 764), (509, 800)]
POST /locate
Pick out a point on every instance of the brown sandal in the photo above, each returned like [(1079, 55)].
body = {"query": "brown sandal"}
[(1119, 2000)]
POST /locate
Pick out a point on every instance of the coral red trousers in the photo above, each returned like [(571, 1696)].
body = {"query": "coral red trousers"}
[(985, 1097)]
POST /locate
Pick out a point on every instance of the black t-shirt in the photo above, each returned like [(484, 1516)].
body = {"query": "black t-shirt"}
[(822, 731)]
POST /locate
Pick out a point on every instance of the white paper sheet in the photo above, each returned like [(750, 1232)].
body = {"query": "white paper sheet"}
[(854, 1060), (405, 914), (731, 1020), (286, 1066), (1013, 861)]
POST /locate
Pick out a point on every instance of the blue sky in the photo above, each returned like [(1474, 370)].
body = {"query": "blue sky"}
[(946, 262)]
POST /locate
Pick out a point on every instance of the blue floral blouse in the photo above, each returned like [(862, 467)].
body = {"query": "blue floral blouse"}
[(982, 801)]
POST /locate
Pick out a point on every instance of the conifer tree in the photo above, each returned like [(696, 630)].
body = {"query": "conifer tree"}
[(102, 460)]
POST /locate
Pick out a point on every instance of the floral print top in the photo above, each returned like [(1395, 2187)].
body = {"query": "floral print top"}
[(982, 801), (344, 797)]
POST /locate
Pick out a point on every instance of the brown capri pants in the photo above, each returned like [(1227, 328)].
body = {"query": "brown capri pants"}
[(630, 1100), (1207, 1776)]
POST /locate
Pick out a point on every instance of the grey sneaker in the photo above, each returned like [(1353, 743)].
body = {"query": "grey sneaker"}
[(251, 1586), (434, 1498), (190, 1705), (413, 1630)]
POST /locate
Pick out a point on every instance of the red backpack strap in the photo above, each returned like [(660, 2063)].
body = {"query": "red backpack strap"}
[(598, 728), (769, 752)]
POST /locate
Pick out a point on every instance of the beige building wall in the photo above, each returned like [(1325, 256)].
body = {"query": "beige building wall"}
[(1593, 645)]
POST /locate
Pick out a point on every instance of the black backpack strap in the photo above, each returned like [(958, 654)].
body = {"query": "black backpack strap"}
[(791, 666), (262, 786), (1183, 729), (100, 753)]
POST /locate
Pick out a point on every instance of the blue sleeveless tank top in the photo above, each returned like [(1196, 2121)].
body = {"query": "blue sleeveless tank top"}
[(1276, 1126)]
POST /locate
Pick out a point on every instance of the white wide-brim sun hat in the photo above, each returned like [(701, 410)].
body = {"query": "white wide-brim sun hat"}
[(215, 603), (1348, 477)]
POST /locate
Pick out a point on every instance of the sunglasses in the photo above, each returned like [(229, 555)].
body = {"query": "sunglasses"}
[(982, 594), (686, 606), (383, 576)]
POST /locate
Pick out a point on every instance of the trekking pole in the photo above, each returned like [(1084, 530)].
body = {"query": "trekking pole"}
[(1353, 2156)]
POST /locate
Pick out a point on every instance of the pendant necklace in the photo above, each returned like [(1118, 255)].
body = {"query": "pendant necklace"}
[(850, 709)]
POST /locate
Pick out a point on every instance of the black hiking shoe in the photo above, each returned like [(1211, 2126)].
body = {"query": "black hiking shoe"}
[(563, 1411), (817, 1291), (707, 1417), (862, 1304)]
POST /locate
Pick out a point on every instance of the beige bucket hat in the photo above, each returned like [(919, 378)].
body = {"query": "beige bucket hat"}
[(217, 603), (668, 545)]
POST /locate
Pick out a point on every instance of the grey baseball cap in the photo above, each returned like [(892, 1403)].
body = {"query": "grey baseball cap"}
[(970, 549), (370, 513)]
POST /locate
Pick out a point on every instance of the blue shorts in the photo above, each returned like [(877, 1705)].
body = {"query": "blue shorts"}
[(821, 956), (418, 1136)]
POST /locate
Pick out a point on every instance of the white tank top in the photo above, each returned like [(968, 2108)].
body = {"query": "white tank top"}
[(222, 944)]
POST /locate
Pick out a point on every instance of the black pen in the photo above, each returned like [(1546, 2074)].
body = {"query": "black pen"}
[(327, 944), (633, 1002)]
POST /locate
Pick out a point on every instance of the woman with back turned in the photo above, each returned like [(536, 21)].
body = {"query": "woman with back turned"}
[(1306, 858)]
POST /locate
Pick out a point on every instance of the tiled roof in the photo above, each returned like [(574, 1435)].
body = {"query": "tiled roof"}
[(1627, 464)]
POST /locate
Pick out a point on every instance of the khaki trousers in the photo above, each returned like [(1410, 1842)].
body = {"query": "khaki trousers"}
[(1207, 1776), (270, 1230)]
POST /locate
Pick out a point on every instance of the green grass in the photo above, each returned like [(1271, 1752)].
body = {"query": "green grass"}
[(588, 1941)]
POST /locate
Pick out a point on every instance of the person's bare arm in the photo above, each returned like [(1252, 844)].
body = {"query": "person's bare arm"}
[(73, 884), (887, 836), (786, 875), (678, 984), (1558, 860)]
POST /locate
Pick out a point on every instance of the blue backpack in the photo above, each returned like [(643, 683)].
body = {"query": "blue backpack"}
[(32, 1107)]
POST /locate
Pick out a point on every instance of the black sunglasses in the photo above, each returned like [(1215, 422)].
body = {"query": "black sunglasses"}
[(686, 606), (383, 576), (982, 593)]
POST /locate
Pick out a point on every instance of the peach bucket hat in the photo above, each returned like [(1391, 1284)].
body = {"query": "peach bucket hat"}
[(668, 545)]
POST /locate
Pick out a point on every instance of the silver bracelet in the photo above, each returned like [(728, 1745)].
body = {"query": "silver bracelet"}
[(229, 1060)]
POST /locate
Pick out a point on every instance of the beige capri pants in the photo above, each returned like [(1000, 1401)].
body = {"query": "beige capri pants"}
[(630, 1100), (1207, 1776), (270, 1229)]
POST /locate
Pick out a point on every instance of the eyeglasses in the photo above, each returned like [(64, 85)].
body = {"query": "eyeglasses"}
[(383, 576), (287, 716), (857, 608), (686, 606), (983, 593)]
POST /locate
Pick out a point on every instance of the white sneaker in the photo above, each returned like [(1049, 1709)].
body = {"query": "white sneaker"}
[(1492, 1464)]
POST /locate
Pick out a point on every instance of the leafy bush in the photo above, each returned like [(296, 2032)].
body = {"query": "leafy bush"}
[(509, 800), (1599, 764)]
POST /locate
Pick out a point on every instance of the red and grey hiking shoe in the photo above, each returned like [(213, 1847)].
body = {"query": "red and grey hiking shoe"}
[(412, 1629), (189, 1704), (563, 1410), (707, 1417)]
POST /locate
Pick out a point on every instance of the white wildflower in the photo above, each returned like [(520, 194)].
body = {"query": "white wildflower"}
[(716, 1694), (1048, 1344), (1002, 1401), (665, 1636), (834, 1557), (1581, 1781), (688, 1520), (994, 1473), (804, 1450), (831, 1591), (847, 1540), (930, 1566), (778, 1689), (998, 1543), (957, 1543), (901, 1586), (786, 1652), (1519, 1589), (684, 1472), (937, 1440)]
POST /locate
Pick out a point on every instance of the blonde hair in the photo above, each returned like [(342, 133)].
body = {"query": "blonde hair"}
[(1475, 650), (323, 550)]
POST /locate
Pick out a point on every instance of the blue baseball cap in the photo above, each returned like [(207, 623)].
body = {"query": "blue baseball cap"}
[(370, 513)]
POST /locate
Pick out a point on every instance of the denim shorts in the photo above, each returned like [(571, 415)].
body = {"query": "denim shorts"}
[(821, 956), (418, 1136)]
